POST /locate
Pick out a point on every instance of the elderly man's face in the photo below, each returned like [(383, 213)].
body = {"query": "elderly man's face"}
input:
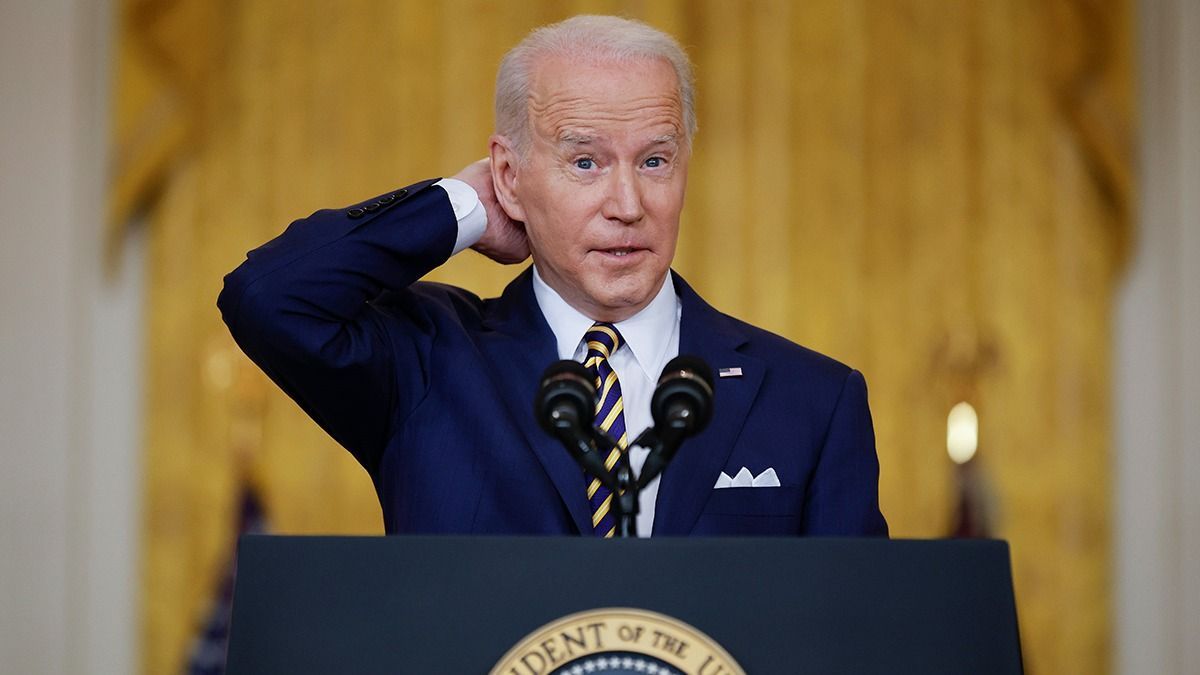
[(603, 184)]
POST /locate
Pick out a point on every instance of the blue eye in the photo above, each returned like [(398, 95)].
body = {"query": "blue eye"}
[(654, 162), (584, 163)]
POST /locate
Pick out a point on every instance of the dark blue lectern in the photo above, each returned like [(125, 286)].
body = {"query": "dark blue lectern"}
[(460, 605)]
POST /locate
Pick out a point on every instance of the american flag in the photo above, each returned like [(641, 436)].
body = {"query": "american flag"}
[(207, 656)]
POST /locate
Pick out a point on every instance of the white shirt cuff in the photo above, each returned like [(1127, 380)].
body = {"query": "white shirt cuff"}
[(468, 211)]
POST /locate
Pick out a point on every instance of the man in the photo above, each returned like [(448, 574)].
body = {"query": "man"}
[(431, 387)]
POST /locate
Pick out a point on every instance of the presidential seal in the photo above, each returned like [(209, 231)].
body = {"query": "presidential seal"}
[(617, 641)]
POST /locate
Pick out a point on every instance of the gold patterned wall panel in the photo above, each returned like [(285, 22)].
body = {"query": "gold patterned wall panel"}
[(936, 193)]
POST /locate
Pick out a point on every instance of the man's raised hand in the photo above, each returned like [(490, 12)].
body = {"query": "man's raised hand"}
[(504, 239)]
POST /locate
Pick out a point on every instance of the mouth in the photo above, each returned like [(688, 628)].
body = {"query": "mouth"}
[(622, 252)]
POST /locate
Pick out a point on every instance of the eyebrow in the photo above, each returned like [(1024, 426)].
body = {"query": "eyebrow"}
[(575, 138)]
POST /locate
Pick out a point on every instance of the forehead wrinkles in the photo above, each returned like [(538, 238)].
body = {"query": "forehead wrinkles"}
[(553, 114), (584, 93)]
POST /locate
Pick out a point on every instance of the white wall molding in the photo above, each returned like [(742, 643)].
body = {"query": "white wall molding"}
[(1157, 369), (69, 355)]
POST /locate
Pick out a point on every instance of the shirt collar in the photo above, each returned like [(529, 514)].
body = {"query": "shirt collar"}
[(647, 333)]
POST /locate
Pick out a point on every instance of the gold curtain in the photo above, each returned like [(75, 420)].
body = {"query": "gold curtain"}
[(938, 193)]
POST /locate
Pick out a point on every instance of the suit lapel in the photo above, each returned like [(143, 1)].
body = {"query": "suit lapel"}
[(520, 345), (688, 481)]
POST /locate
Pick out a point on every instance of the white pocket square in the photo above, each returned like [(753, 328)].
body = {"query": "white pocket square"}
[(744, 478)]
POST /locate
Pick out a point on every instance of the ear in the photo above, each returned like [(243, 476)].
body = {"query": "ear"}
[(505, 166)]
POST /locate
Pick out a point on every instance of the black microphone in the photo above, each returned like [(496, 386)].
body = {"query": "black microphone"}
[(566, 398), (565, 406), (682, 403), (681, 407)]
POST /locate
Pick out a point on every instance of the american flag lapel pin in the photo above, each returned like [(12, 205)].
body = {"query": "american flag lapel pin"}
[(729, 372)]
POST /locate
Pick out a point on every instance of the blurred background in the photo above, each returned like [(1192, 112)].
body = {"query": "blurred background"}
[(990, 203)]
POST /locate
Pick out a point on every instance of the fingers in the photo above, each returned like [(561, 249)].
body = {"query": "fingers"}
[(504, 241), (504, 238)]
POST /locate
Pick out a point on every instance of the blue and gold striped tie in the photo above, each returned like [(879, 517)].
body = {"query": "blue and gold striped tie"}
[(603, 341)]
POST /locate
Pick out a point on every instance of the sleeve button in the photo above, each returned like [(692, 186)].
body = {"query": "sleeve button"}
[(355, 213)]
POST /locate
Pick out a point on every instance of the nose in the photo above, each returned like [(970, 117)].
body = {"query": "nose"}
[(624, 200)]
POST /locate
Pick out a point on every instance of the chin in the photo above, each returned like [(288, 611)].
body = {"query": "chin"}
[(622, 299)]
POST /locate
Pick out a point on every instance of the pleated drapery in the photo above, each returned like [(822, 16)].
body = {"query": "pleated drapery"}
[(938, 193)]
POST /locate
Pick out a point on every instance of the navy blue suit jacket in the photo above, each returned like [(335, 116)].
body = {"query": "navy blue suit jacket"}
[(432, 388)]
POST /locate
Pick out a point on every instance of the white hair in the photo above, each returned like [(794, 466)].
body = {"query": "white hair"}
[(588, 36)]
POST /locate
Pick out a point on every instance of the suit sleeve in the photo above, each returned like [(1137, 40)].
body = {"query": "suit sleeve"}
[(300, 307), (843, 496)]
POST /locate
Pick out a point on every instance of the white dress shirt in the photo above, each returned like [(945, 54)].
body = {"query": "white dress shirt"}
[(468, 211), (651, 339)]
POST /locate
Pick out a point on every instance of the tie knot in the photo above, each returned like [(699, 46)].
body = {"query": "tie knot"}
[(603, 340)]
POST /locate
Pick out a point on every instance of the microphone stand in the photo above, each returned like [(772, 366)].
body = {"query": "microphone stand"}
[(623, 485), (590, 450), (662, 448), (626, 502)]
